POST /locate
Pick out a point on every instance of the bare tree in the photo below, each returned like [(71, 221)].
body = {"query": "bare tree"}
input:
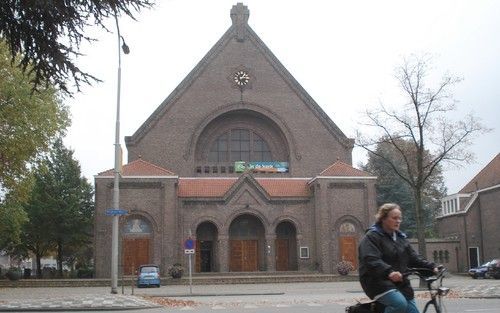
[(424, 122)]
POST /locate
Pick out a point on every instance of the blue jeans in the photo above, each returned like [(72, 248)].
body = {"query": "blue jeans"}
[(395, 302)]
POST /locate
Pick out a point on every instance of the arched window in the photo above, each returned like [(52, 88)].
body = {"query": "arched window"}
[(136, 225), (239, 145)]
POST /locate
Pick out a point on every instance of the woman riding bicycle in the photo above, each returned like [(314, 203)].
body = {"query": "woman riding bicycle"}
[(384, 255)]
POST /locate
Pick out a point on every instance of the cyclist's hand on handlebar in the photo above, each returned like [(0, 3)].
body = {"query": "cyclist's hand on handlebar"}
[(395, 277)]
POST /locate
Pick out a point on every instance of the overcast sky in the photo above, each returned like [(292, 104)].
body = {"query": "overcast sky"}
[(342, 52)]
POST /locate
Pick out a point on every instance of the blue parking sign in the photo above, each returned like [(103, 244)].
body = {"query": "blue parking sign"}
[(189, 244)]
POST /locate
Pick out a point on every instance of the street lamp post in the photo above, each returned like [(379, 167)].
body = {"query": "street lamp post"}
[(116, 185)]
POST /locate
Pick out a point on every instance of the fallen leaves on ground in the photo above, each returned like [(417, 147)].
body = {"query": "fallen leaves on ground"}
[(171, 302), (452, 294)]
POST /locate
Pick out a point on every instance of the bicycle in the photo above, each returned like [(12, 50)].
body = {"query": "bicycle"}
[(435, 288)]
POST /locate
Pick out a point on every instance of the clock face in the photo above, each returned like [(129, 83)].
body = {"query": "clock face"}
[(241, 78)]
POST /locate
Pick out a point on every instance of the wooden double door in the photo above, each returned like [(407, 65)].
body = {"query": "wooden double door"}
[(135, 252), (348, 250), (244, 255)]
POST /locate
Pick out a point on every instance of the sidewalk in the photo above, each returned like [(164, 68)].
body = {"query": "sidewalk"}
[(79, 303)]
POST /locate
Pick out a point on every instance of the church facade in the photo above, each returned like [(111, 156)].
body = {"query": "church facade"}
[(240, 159)]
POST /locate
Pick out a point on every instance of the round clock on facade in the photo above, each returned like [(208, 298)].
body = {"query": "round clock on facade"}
[(241, 78)]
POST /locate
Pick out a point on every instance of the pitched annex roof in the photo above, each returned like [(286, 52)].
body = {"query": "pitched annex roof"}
[(204, 187), (285, 187), (218, 187), (240, 31), (140, 167), (487, 177), (340, 168)]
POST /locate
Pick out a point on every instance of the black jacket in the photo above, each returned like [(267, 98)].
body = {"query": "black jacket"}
[(379, 255)]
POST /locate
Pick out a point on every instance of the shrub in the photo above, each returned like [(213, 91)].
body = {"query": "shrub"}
[(85, 272), (344, 267), (176, 270), (14, 273)]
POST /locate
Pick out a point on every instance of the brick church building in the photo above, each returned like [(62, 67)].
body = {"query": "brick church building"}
[(242, 160)]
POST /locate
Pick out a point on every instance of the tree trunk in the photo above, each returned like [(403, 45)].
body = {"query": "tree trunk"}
[(59, 260), (419, 218), (38, 265)]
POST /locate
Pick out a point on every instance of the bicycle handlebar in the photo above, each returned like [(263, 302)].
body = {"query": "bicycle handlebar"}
[(426, 273)]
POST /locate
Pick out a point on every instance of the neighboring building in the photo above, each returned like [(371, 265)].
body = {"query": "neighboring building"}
[(294, 203), (472, 216)]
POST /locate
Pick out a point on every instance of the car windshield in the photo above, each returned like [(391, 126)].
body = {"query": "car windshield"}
[(149, 269)]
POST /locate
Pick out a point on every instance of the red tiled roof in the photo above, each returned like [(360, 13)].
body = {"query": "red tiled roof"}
[(340, 168), (218, 187), (487, 177), (285, 187), (140, 167), (204, 187)]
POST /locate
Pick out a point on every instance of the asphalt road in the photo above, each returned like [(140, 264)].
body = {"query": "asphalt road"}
[(298, 297), (453, 306)]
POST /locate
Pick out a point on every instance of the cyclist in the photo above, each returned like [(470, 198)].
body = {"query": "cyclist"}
[(384, 254)]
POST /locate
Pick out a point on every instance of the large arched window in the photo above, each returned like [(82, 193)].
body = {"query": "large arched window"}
[(239, 145)]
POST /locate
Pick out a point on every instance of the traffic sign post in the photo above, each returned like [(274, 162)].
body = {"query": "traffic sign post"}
[(189, 248)]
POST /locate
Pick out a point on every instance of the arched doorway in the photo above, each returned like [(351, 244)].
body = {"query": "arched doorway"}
[(286, 247), (206, 242), (246, 244), (348, 243), (136, 244)]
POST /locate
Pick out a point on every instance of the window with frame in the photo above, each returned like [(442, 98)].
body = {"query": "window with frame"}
[(239, 145)]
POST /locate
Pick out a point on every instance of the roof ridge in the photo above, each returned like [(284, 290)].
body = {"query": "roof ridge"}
[(152, 164), (137, 161), (480, 174), (341, 163)]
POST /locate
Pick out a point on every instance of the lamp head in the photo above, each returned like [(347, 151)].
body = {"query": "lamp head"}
[(125, 47)]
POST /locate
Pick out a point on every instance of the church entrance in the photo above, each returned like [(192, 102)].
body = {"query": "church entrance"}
[(348, 248), (246, 244), (206, 240), (135, 253), (286, 247), (136, 244), (244, 255)]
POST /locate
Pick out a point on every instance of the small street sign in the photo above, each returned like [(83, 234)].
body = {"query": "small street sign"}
[(111, 212), (188, 251), (189, 244)]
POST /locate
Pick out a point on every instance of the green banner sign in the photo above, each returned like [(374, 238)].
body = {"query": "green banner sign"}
[(262, 167)]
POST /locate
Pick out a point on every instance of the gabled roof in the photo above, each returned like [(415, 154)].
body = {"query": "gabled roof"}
[(487, 177), (342, 169), (240, 30), (140, 168), (204, 187), (193, 187), (285, 187)]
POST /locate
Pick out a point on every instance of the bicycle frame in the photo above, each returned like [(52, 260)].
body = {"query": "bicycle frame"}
[(434, 286)]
